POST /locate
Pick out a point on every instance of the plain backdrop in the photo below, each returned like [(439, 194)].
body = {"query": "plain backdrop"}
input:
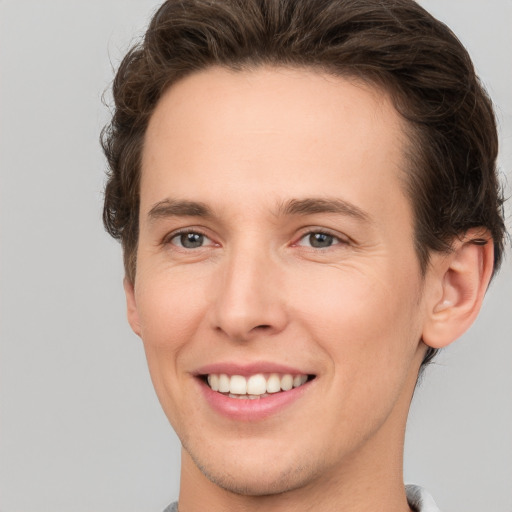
[(80, 427)]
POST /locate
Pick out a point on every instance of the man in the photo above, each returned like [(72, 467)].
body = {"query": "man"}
[(308, 205)]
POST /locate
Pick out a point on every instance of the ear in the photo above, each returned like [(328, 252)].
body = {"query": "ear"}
[(131, 306), (457, 284)]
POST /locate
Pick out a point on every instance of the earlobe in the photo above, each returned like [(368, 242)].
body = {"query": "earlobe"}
[(131, 306), (459, 281)]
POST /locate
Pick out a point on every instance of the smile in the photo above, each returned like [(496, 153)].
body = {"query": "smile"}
[(255, 386)]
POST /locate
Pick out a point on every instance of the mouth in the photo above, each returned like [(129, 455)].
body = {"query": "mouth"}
[(256, 386)]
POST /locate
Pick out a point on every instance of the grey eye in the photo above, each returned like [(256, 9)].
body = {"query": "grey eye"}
[(320, 240), (189, 240)]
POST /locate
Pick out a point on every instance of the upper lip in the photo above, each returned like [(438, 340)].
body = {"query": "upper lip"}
[(247, 369)]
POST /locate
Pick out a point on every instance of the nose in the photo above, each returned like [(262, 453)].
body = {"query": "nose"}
[(249, 300)]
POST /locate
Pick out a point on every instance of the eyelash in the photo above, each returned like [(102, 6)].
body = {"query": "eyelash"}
[(169, 239), (334, 239)]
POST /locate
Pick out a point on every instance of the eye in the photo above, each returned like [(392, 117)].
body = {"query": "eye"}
[(319, 240), (190, 240)]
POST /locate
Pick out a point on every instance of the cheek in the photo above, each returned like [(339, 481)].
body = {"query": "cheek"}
[(170, 312), (369, 332), (365, 321), (169, 305)]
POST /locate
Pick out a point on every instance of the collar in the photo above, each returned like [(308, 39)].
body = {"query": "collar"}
[(419, 499)]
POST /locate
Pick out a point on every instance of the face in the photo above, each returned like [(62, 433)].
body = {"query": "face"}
[(276, 261)]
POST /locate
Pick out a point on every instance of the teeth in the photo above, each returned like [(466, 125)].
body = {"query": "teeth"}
[(286, 382), (213, 380), (238, 385), (297, 381), (255, 386), (224, 383), (250, 397), (273, 383)]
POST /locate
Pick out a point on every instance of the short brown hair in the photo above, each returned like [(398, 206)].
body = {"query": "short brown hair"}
[(394, 44)]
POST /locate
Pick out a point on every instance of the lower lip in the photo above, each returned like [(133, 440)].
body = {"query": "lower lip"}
[(245, 409)]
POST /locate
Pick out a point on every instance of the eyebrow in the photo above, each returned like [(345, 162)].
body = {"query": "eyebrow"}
[(310, 206), (176, 208)]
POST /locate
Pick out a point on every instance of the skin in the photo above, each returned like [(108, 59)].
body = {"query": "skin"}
[(245, 145)]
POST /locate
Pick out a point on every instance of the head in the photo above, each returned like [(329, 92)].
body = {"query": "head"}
[(396, 46), (427, 132)]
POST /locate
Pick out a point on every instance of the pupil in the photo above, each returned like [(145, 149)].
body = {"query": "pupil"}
[(320, 240), (192, 240)]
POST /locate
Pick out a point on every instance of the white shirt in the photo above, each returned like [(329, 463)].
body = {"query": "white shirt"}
[(420, 499)]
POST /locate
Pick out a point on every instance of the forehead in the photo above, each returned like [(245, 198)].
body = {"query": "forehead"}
[(286, 133)]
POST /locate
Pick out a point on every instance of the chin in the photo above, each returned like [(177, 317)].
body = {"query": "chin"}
[(249, 477)]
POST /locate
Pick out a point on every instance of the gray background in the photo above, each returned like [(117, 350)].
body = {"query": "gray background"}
[(80, 427)]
